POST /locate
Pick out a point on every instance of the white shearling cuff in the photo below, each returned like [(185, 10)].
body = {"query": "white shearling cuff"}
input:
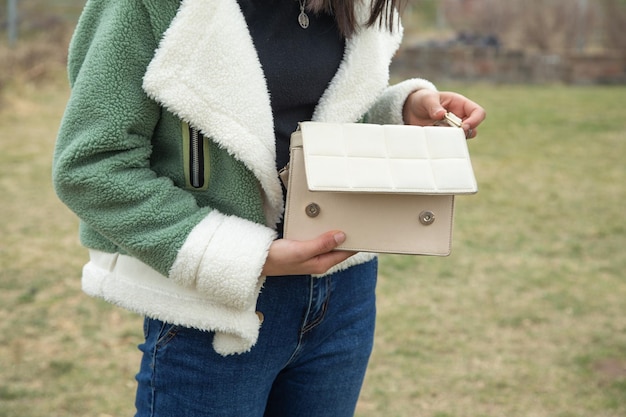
[(223, 258), (389, 106)]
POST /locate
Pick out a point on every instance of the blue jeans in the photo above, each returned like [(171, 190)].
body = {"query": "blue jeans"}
[(309, 361)]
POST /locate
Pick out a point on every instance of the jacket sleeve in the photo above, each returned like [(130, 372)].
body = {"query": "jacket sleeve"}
[(102, 171), (388, 107)]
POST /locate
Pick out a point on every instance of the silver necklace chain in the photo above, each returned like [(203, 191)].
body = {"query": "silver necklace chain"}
[(303, 18)]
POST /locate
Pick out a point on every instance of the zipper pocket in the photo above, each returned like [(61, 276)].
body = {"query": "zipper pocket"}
[(196, 158)]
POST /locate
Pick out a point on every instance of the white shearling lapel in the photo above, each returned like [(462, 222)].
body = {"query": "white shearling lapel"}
[(207, 72), (362, 75)]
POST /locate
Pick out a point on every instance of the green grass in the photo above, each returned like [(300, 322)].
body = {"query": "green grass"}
[(527, 317)]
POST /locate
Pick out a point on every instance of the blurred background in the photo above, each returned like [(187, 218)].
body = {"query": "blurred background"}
[(531, 41), (526, 318), (571, 41)]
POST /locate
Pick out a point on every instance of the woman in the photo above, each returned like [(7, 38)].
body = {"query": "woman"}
[(179, 117)]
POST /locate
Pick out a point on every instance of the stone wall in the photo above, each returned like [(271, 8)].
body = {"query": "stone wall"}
[(491, 64)]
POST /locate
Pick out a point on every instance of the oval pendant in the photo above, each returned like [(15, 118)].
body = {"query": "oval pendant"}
[(303, 19)]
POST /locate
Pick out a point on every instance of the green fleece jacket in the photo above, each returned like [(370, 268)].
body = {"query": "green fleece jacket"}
[(166, 154)]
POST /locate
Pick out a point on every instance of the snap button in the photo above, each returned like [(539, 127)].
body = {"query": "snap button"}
[(260, 316), (312, 210), (427, 217)]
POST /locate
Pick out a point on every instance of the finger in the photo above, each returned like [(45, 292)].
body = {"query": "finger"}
[(470, 111), (432, 103), (322, 244), (320, 254), (475, 117), (454, 102), (322, 263)]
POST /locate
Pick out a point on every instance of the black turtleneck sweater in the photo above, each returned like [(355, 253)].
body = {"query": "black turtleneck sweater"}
[(298, 63)]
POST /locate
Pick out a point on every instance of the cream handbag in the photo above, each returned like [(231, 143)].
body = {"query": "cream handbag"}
[(390, 188)]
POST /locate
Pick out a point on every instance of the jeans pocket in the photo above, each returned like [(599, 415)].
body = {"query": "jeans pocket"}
[(160, 332)]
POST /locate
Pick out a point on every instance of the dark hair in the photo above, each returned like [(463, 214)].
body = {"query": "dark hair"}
[(344, 11)]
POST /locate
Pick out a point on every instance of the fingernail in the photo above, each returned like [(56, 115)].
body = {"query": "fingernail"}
[(339, 237)]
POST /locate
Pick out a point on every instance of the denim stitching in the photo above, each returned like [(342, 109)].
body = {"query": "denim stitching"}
[(322, 312)]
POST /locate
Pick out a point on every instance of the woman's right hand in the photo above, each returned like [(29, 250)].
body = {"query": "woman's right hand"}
[(315, 256)]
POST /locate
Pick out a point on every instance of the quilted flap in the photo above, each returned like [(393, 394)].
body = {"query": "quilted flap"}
[(358, 157)]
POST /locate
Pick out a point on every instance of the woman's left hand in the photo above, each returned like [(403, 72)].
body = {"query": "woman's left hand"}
[(426, 107)]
